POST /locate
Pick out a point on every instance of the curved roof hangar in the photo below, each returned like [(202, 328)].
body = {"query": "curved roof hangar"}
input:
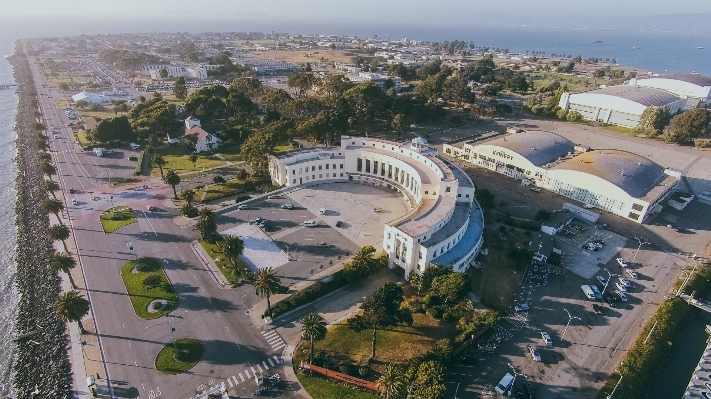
[(538, 147)]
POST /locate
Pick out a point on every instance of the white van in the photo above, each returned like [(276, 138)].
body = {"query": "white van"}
[(588, 292), (505, 384), (322, 211), (134, 146)]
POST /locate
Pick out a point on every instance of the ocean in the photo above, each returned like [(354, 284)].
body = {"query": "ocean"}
[(8, 172), (656, 51)]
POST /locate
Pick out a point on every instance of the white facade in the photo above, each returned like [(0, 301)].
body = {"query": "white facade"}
[(443, 225), (199, 73), (380, 79), (618, 182), (268, 66), (684, 86), (191, 121), (91, 98)]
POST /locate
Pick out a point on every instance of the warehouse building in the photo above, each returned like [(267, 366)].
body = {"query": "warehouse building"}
[(696, 89), (620, 105), (619, 182), (443, 225)]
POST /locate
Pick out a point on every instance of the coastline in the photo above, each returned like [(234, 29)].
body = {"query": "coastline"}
[(41, 361)]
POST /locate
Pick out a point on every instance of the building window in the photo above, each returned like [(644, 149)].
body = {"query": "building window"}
[(434, 192), (637, 207), (313, 176), (389, 235), (294, 181), (375, 167), (367, 166), (293, 172), (633, 216), (420, 254), (426, 192), (448, 189), (341, 166), (334, 166), (313, 168), (319, 167), (459, 195), (359, 166), (341, 174), (326, 166), (320, 175), (390, 171), (467, 196)]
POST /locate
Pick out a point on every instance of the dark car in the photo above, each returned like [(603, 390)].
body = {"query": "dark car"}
[(597, 308), (72, 191), (610, 300)]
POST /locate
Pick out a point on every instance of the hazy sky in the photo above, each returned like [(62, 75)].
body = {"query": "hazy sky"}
[(368, 10)]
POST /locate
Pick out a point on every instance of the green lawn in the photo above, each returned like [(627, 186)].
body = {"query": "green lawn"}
[(325, 389), (214, 251), (103, 114), (398, 345), (230, 187), (177, 159), (282, 148), (618, 129), (141, 295), (122, 181), (114, 218), (169, 361), (83, 139)]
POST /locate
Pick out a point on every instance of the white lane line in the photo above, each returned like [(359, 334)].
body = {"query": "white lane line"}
[(223, 386), (235, 378), (279, 346), (149, 223), (260, 369), (276, 359), (240, 376), (265, 366), (246, 372), (270, 362), (229, 381), (253, 372)]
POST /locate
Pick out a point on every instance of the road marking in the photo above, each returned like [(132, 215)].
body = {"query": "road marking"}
[(260, 369), (218, 315), (270, 362), (240, 376), (223, 386), (276, 359), (129, 344), (265, 366), (142, 386), (235, 378), (246, 372), (279, 346), (229, 381), (151, 224), (227, 328), (253, 372)]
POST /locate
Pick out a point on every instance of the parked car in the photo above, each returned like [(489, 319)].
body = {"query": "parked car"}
[(151, 208), (597, 308), (273, 196), (590, 247), (310, 223), (621, 295), (505, 384), (536, 190), (56, 136), (533, 350), (620, 286), (287, 206), (546, 338), (602, 280), (631, 273), (611, 299), (324, 244), (257, 220), (625, 282), (621, 262), (243, 207), (522, 307)]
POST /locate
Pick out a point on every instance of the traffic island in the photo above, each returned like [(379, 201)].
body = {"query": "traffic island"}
[(179, 356), (115, 218), (150, 290)]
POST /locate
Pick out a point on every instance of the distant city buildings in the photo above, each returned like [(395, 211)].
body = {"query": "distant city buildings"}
[(266, 66), (381, 79)]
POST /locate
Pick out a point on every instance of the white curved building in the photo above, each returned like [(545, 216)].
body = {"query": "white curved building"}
[(619, 182), (620, 105), (444, 223), (691, 87)]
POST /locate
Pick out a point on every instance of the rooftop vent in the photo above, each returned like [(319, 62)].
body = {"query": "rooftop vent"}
[(622, 173), (639, 163), (533, 148)]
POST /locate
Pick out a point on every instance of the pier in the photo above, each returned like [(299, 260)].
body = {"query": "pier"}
[(5, 86), (703, 305)]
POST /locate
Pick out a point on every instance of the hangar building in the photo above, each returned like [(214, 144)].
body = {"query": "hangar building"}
[(695, 88), (619, 182)]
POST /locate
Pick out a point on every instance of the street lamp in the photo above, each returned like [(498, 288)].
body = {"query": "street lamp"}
[(569, 319)]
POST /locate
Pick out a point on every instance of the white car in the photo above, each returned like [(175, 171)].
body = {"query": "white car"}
[(310, 223), (534, 352), (602, 280), (56, 136), (522, 307), (624, 282), (287, 206), (631, 273), (274, 196), (243, 207), (621, 295), (621, 262), (546, 338), (620, 286)]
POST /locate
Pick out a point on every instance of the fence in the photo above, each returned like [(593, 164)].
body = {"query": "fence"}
[(340, 376)]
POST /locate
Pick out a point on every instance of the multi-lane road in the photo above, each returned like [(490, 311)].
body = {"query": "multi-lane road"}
[(234, 348)]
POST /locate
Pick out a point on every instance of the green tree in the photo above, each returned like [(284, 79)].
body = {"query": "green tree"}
[(334, 85), (399, 124), (163, 73), (59, 232), (456, 88), (256, 150), (81, 104), (71, 306), (542, 215), (652, 121), (112, 129), (450, 287), (301, 82), (688, 125), (432, 272), (274, 101), (159, 161), (180, 90), (415, 280), (313, 328), (207, 224), (485, 198), (189, 141), (365, 101), (431, 88), (63, 262), (152, 281), (381, 310), (173, 178), (430, 381), (249, 87), (232, 246), (51, 186), (53, 205), (48, 169), (267, 284), (193, 158), (392, 382), (188, 195)]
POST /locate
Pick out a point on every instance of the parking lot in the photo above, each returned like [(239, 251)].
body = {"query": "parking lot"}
[(313, 250), (583, 262)]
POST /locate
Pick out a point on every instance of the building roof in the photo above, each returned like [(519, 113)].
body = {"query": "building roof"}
[(429, 213), (646, 96), (542, 243), (538, 147), (633, 173), (698, 80), (471, 236), (201, 133)]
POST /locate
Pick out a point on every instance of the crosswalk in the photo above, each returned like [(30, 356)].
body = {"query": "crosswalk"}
[(249, 373), (518, 320), (273, 339)]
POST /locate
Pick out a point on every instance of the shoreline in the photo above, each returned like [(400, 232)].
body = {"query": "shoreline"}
[(41, 361)]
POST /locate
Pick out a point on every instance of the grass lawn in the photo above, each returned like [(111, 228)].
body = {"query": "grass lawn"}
[(214, 251), (177, 159), (114, 218), (282, 148), (122, 181), (179, 356), (397, 345), (103, 114), (618, 129), (141, 295), (230, 187), (83, 139), (325, 389)]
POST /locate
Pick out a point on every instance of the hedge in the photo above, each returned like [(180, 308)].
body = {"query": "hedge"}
[(139, 164), (643, 361)]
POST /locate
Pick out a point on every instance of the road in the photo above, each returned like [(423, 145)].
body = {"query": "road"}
[(234, 347)]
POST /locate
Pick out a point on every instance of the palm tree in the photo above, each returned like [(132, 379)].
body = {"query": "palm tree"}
[(63, 262), (392, 382), (44, 157), (51, 186), (172, 178), (48, 169), (42, 144), (71, 306), (193, 158), (188, 195), (206, 225), (53, 205), (232, 247), (267, 284), (313, 328), (59, 232), (159, 161)]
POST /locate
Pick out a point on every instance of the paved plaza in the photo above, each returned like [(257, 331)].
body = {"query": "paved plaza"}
[(259, 250)]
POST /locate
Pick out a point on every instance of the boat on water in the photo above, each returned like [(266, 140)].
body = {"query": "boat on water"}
[(597, 41), (635, 47), (699, 48)]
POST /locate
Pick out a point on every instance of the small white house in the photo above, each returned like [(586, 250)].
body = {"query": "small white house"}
[(191, 121), (172, 140), (91, 98), (206, 142)]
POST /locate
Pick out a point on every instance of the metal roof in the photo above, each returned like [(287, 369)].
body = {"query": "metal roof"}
[(538, 147), (646, 96), (698, 80), (634, 174)]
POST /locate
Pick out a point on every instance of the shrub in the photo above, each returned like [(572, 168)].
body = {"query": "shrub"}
[(189, 211), (152, 281), (427, 300), (345, 369), (363, 371), (433, 312), (144, 267), (446, 316), (574, 116), (118, 216), (414, 307), (218, 179)]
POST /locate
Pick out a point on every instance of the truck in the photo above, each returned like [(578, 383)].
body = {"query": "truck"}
[(99, 152)]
